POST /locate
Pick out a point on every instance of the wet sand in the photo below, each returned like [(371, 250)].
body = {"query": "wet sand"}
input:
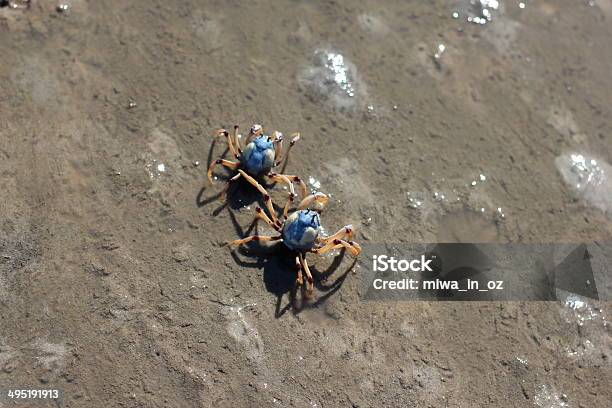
[(114, 286)]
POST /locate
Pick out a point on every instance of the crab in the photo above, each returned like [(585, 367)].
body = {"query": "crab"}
[(299, 230), (261, 154)]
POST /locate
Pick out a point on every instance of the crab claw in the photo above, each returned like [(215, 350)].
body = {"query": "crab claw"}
[(220, 133), (349, 230), (316, 202), (357, 248), (256, 129)]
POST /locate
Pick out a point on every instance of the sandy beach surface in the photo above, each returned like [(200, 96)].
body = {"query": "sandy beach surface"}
[(423, 121)]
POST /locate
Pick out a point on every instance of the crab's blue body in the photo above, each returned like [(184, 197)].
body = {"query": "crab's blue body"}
[(301, 230), (258, 156)]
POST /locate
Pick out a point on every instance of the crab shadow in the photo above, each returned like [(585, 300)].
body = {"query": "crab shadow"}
[(279, 274), (240, 193)]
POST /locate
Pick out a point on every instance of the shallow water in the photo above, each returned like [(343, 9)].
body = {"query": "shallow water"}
[(589, 178), (332, 79)]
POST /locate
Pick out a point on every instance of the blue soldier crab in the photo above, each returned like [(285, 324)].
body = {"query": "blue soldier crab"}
[(299, 230), (260, 155)]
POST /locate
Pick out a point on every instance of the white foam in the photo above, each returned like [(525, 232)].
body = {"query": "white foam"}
[(547, 397), (332, 78)]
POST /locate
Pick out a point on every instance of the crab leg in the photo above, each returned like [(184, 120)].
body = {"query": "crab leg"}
[(282, 178), (264, 238), (356, 247), (299, 280), (230, 145), (318, 198), (288, 204), (309, 280), (288, 179), (236, 140), (279, 159), (255, 130), (263, 191), (323, 249), (353, 247), (262, 216), (346, 231), (229, 164), (277, 139)]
